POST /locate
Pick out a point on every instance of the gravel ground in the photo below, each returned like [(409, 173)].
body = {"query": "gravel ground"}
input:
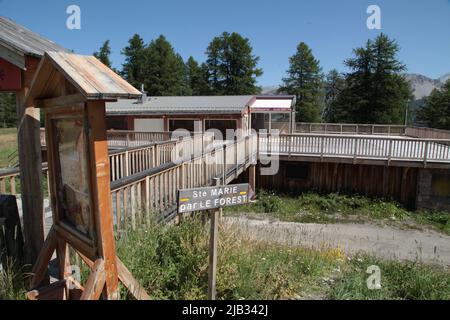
[(388, 242)]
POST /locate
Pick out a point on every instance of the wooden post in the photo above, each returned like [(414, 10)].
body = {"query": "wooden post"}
[(252, 177), (30, 159), (236, 159), (390, 152), (98, 149), (213, 235), (425, 156), (224, 173)]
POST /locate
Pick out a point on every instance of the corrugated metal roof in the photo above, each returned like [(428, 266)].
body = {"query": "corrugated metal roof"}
[(88, 75), (25, 41), (181, 105)]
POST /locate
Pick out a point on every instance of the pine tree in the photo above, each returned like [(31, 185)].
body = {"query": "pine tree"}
[(376, 90), (334, 85), (104, 53), (436, 111), (231, 65), (213, 66), (133, 70), (305, 80), (165, 71), (196, 78)]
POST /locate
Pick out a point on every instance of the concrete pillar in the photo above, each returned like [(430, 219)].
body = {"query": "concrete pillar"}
[(423, 195)]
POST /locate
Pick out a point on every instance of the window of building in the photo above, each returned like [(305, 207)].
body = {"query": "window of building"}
[(177, 124)]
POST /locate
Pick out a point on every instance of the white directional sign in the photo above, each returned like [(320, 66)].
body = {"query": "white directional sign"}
[(200, 199)]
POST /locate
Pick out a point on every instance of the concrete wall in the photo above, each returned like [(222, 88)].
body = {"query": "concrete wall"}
[(433, 189)]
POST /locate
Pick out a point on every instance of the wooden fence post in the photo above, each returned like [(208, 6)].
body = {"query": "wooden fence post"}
[(322, 139), (224, 166), (355, 150), (236, 150), (127, 164), (390, 152), (425, 158)]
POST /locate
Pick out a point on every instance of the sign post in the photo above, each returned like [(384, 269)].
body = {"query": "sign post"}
[(213, 199), (213, 235)]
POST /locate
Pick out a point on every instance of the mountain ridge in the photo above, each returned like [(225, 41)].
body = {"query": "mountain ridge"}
[(422, 85)]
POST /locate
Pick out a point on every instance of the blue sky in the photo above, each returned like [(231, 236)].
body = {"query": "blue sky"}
[(331, 28)]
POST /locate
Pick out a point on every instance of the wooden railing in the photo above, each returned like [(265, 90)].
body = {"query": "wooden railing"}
[(131, 139), (347, 128), (129, 161), (127, 139), (357, 147), (427, 133), (124, 163), (10, 180), (154, 191)]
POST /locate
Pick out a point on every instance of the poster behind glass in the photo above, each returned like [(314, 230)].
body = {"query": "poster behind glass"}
[(73, 179)]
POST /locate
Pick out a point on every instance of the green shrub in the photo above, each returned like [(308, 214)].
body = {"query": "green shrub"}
[(399, 280), (440, 220), (269, 202), (171, 262)]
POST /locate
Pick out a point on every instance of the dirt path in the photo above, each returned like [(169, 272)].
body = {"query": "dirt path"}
[(387, 242)]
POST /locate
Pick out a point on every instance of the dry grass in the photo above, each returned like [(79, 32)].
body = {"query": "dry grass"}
[(8, 144)]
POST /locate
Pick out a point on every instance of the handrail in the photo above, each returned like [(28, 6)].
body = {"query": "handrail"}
[(352, 124), (338, 128), (350, 136), (117, 184), (8, 172), (358, 147), (430, 133), (128, 138), (9, 178)]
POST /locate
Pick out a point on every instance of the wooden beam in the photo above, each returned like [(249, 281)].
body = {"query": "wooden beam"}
[(12, 56), (30, 160), (96, 281), (40, 268), (86, 260), (130, 282), (56, 291), (125, 277), (62, 101), (63, 255), (101, 194), (87, 248)]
